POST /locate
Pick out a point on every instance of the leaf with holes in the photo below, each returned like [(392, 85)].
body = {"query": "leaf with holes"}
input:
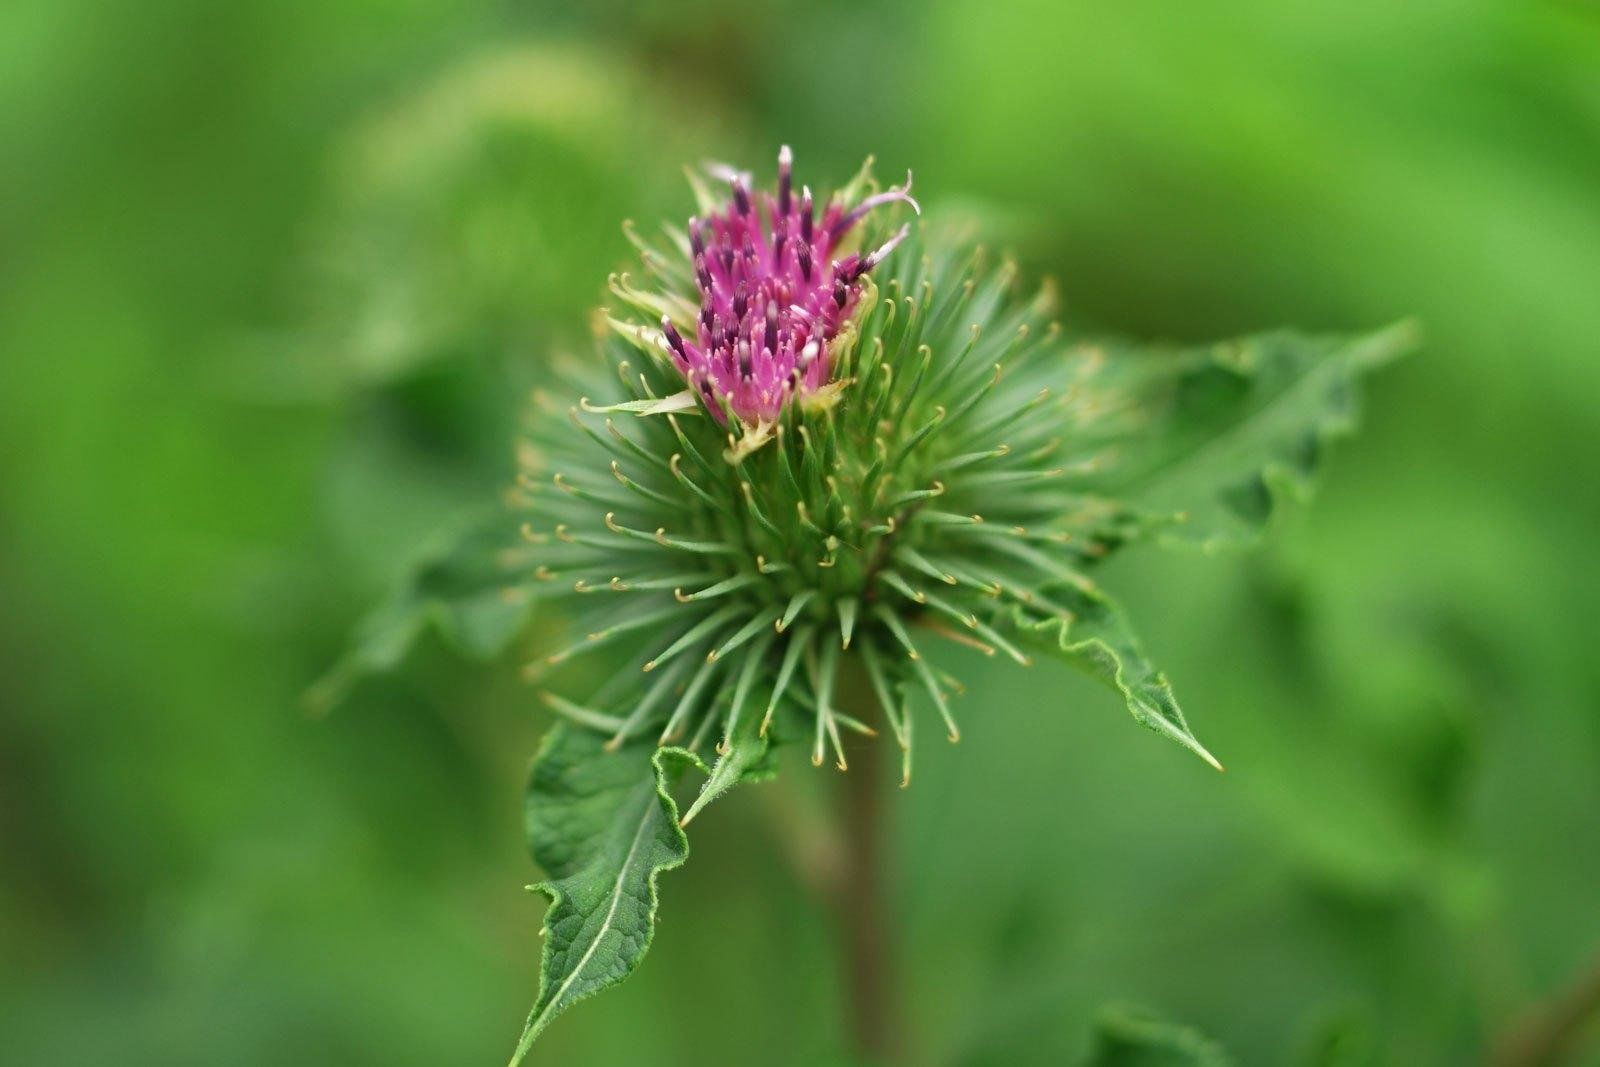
[(1214, 438)]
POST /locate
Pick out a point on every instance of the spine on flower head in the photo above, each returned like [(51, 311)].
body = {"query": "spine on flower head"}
[(773, 297)]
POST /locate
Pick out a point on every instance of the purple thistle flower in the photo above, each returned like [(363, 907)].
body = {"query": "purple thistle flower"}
[(772, 295)]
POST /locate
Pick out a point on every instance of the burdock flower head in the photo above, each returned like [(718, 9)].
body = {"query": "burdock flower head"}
[(772, 297), (785, 468), (824, 453)]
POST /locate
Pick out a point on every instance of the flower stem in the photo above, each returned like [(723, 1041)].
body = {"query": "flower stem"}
[(1547, 1033), (861, 900)]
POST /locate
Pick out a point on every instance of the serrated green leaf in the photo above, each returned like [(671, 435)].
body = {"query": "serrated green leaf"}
[(1132, 1037), (603, 825), (1225, 432), (1099, 640), (458, 588)]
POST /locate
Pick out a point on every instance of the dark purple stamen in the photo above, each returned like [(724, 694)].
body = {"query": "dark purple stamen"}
[(674, 338)]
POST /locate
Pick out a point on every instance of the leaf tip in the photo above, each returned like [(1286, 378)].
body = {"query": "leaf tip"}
[(699, 804), (1200, 750)]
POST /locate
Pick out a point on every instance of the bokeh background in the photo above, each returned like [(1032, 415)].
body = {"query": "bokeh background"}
[(275, 276)]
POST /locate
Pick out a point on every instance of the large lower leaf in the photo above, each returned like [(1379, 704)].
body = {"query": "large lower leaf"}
[(1214, 437), (603, 824), (1099, 640)]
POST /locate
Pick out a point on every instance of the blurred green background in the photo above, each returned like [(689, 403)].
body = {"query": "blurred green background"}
[(275, 277)]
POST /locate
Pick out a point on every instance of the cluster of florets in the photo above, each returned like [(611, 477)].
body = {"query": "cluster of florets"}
[(773, 297)]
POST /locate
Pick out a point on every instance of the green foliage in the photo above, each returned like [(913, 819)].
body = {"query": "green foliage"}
[(1130, 1037), (193, 875), (602, 823), (1221, 435), (1208, 441), (468, 219), (1098, 640), (457, 587)]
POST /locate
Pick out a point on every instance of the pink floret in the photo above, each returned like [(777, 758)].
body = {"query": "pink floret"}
[(772, 297)]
